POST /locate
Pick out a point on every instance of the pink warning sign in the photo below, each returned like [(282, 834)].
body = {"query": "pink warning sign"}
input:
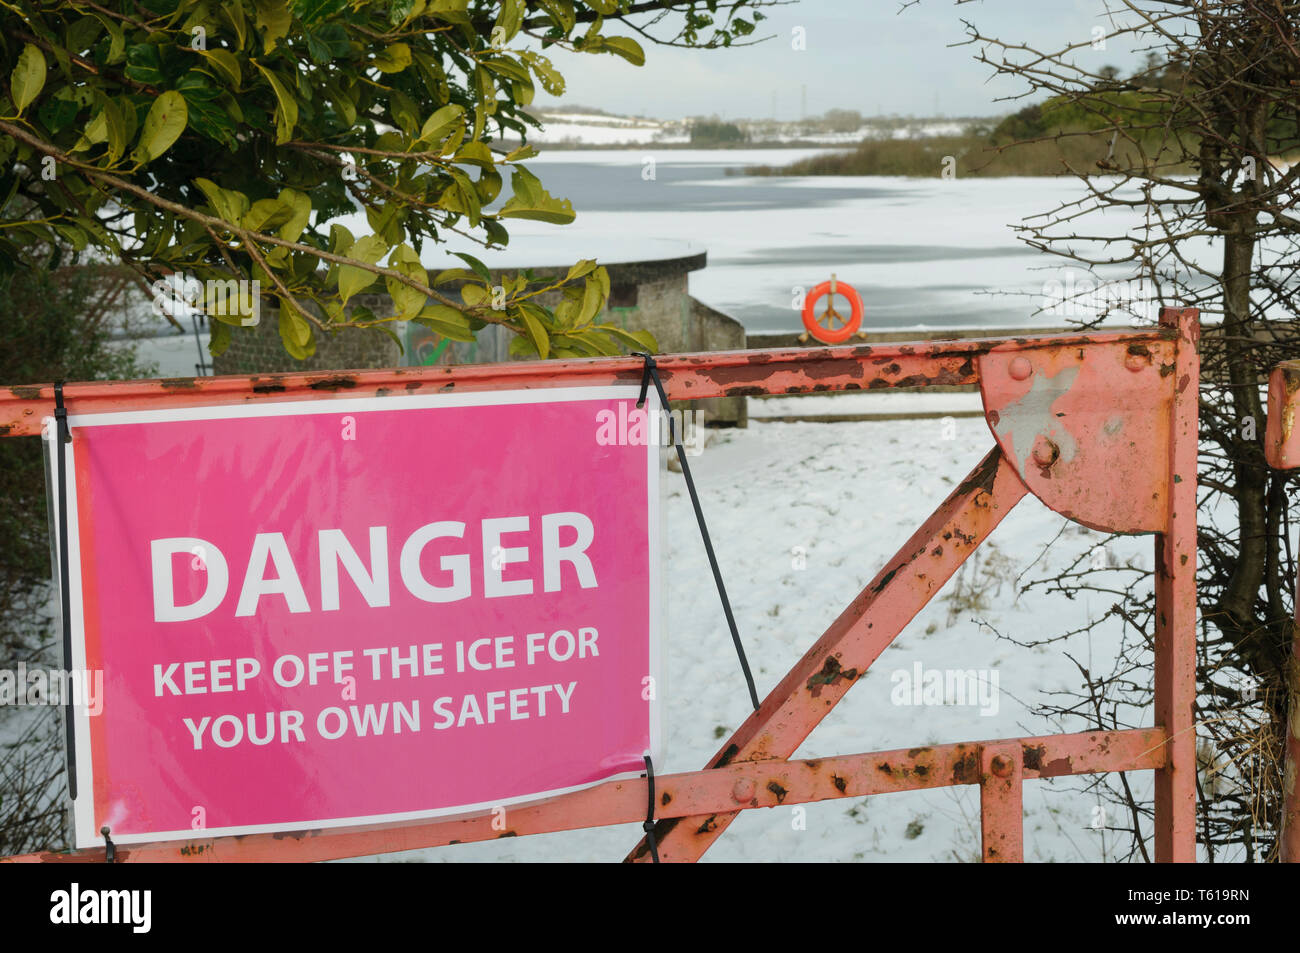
[(344, 612)]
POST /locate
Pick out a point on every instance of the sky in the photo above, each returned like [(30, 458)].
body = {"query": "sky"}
[(859, 54)]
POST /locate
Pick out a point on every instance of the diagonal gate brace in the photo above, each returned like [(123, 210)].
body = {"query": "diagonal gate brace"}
[(855, 640)]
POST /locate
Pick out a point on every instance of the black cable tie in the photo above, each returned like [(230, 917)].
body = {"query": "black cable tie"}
[(645, 375), (649, 825), (62, 437), (651, 372), (110, 849)]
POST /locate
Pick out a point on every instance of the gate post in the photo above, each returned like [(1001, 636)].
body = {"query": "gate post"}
[(1282, 449), (1175, 623), (1002, 821)]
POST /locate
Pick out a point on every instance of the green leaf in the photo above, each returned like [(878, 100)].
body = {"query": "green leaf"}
[(118, 134), (345, 107), (399, 11), (599, 342), (368, 248), (229, 206), (627, 48), (453, 11), (637, 340), (535, 332), (480, 269), (562, 12), (461, 197), (592, 300), (57, 112), (407, 301), (73, 235), (452, 274), (488, 187), (286, 116), (522, 347), (311, 12), (266, 214), (442, 122), (446, 321), (475, 153), (340, 239), (508, 21), (274, 19), (505, 66), (207, 115), (28, 77), (143, 64), (162, 127), (234, 13), (300, 206), (404, 111), (96, 131), (520, 153), (476, 296), (295, 332), (226, 65), (105, 126), (218, 339), (395, 58), (534, 202), (453, 141), (328, 43), (117, 42), (583, 267), (523, 91), (353, 280)]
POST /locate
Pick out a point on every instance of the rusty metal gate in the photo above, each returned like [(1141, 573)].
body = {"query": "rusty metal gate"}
[(1101, 427)]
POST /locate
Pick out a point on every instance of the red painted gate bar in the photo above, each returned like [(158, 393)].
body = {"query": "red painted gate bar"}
[(1100, 426), (1282, 449)]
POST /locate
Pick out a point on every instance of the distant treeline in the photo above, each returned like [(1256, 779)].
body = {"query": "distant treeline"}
[(1058, 137), (965, 156)]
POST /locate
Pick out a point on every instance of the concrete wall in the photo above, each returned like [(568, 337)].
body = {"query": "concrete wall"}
[(258, 350)]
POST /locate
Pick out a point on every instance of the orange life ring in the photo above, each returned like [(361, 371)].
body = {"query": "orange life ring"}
[(824, 332)]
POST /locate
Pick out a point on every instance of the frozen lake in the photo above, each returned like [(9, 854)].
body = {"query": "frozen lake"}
[(923, 253)]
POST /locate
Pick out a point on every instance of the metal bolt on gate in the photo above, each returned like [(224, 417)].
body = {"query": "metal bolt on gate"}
[(1101, 427)]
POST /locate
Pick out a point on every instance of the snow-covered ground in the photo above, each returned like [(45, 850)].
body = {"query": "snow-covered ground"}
[(882, 403), (803, 515), (598, 130), (926, 129)]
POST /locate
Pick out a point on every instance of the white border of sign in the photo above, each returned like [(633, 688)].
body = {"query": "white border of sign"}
[(83, 807)]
